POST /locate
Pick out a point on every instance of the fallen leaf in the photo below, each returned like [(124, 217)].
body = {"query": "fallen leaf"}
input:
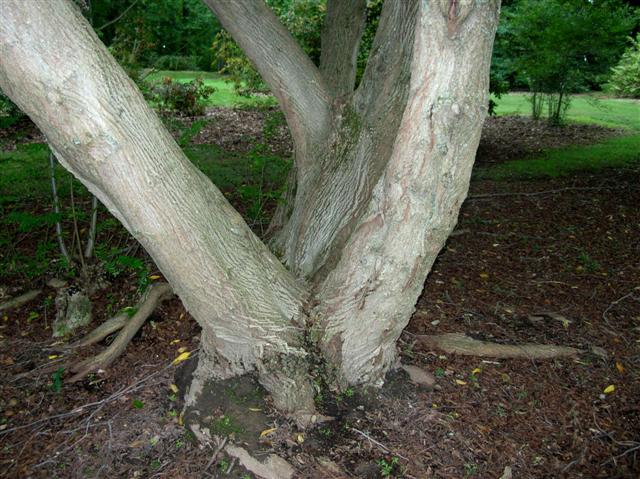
[(54, 356), (255, 409), (268, 431), (182, 349), (173, 387), (619, 367), (154, 277), (300, 438), (460, 382), (476, 371), (609, 389), (175, 341), (182, 357), (484, 275)]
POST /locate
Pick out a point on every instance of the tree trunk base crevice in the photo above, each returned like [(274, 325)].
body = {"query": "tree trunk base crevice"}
[(457, 343)]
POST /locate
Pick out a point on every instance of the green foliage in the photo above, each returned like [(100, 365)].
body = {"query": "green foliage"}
[(374, 9), (56, 380), (137, 404), (303, 19), (28, 222), (388, 467), (10, 114), (625, 76), (588, 263), (225, 426), (176, 62), (559, 48), (116, 264), (224, 95), (187, 99), (153, 32)]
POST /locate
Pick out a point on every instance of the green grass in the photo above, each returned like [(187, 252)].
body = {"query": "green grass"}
[(224, 96), (609, 112), (25, 174), (619, 152)]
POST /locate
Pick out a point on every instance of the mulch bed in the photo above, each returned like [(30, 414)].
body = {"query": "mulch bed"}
[(547, 264)]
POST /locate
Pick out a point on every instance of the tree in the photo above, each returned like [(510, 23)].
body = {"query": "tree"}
[(625, 76), (172, 34), (560, 48), (380, 174)]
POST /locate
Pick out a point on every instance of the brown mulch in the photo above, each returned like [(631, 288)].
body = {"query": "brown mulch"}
[(506, 138), (558, 267)]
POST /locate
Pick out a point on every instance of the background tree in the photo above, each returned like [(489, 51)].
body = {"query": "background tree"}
[(380, 173), (559, 48), (168, 35)]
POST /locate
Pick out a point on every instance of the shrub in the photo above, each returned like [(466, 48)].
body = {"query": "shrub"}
[(187, 99), (625, 76), (176, 62)]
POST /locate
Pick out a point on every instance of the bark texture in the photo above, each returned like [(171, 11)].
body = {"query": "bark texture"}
[(380, 174), (368, 298), (343, 28), (54, 68)]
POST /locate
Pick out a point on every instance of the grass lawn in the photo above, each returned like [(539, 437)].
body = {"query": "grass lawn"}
[(224, 96), (619, 152), (609, 112)]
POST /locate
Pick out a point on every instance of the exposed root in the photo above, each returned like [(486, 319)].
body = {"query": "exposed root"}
[(20, 300), (273, 467), (105, 329), (154, 296), (456, 343)]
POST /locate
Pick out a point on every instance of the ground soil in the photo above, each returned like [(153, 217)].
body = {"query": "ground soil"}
[(549, 261)]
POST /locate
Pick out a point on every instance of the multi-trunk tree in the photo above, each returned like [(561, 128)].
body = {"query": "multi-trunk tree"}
[(380, 173)]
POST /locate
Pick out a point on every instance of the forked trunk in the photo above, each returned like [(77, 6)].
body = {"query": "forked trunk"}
[(380, 175)]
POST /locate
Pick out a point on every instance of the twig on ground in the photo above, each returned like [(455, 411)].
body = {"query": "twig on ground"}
[(85, 408), (215, 454), (616, 302), (378, 443)]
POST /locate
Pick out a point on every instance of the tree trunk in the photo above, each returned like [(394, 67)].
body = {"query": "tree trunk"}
[(380, 174), (55, 69)]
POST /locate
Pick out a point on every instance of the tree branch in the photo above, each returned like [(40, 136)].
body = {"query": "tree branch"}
[(341, 34), (385, 83), (289, 72)]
